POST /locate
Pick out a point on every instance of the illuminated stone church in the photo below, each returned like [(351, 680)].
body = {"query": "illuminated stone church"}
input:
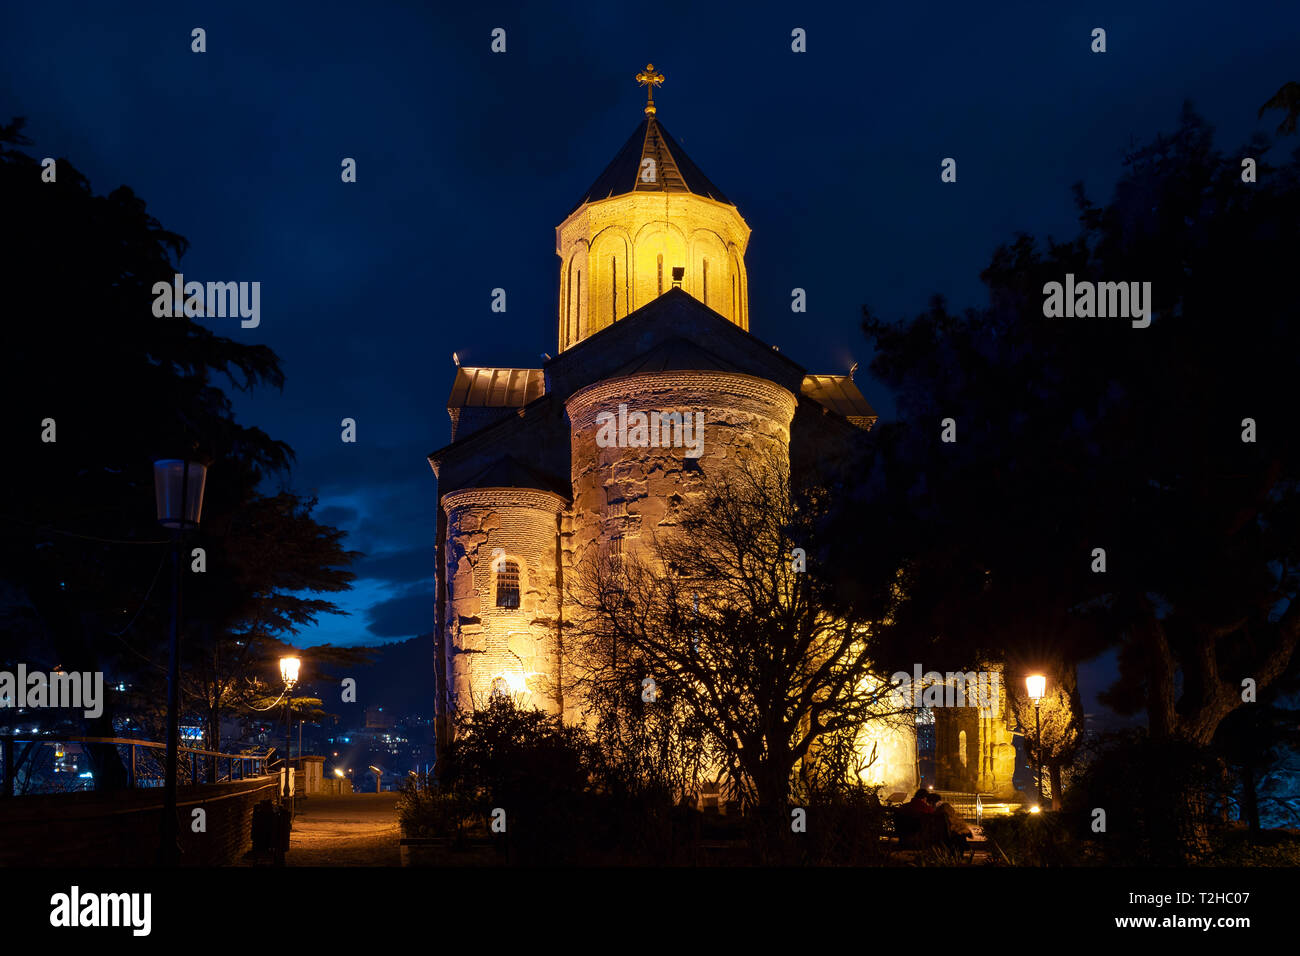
[(653, 314)]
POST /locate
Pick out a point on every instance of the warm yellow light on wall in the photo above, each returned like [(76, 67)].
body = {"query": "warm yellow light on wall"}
[(618, 254), (517, 681)]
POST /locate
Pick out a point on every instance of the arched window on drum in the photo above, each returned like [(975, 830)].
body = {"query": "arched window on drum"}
[(507, 583)]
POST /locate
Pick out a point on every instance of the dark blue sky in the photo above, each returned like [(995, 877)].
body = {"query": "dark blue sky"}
[(467, 160)]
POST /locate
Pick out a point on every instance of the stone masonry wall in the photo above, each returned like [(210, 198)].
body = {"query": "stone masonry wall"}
[(121, 828), (990, 748), (623, 496), (629, 492), (487, 644)]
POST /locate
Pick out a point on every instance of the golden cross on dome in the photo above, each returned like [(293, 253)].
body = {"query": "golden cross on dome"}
[(649, 78)]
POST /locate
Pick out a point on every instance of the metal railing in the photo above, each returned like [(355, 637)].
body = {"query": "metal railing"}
[(976, 807), (143, 761)]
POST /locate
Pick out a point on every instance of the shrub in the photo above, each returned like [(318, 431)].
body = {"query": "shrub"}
[(1037, 839), (1138, 782)]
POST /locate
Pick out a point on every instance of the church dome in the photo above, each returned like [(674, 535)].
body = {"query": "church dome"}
[(676, 173), (651, 221)]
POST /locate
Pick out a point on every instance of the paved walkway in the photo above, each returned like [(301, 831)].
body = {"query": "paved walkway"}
[(359, 829)]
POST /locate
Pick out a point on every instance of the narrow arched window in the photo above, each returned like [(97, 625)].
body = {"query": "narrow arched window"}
[(661, 273), (706, 281), (613, 288), (508, 583), (961, 747), (569, 332)]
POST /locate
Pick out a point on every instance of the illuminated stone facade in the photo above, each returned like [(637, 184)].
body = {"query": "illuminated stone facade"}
[(527, 492), (619, 254), (974, 748), (504, 592)]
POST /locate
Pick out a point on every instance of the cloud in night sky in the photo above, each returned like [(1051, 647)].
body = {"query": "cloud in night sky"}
[(400, 617), (467, 162)]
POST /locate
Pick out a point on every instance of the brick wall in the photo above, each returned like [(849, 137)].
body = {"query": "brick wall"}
[(122, 828), (517, 646)]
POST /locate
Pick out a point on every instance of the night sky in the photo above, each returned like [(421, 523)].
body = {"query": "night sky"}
[(467, 160)]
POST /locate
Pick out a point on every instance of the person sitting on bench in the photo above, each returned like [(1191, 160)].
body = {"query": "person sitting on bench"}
[(956, 829), (917, 821)]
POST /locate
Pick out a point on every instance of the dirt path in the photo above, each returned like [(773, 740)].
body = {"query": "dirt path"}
[(360, 829)]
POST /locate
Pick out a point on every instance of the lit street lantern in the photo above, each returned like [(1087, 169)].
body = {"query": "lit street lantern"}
[(1036, 687), (289, 668)]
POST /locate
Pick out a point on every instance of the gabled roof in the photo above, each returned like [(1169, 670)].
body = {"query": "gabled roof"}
[(509, 472), (496, 387), (674, 171), (675, 355), (675, 328), (841, 395)]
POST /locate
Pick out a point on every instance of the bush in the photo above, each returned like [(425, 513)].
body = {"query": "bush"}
[(1138, 782), (1038, 839), (431, 813), (563, 802), (1237, 846), (844, 829)]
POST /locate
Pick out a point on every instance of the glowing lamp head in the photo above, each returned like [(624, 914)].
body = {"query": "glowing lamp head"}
[(338, 772), (289, 667), (1035, 809), (1036, 684)]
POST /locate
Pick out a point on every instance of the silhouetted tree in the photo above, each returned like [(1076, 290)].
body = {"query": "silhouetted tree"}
[(1086, 433), (716, 614), (1286, 98), (81, 554)]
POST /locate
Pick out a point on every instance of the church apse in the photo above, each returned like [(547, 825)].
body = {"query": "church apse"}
[(504, 602)]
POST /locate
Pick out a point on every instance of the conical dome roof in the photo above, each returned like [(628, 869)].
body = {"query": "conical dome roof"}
[(674, 171)]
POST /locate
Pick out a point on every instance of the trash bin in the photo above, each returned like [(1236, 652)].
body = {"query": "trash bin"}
[(271, 824), (263, 825)]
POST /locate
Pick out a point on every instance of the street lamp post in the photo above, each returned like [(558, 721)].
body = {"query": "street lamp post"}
[(1036, 685), (289, 667), (178, 492)]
